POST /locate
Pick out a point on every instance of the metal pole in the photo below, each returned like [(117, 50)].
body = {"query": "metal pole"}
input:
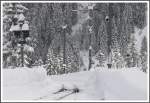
[(109, 26), (64, 51), (90, 59), (22, 53), (22, 47), (90, 50)]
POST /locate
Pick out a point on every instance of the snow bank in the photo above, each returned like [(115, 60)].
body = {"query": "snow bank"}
[(108, 84), (98, 84), (22, 83), (22, 76), (124, 85)]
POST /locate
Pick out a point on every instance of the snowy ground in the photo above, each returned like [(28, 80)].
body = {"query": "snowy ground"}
[(99, 84)]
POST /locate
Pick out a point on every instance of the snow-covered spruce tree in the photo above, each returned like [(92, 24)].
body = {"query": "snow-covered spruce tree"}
[(102, 44), (7, 43), (117, 59), (100, 56), (55, 60), (10, 49), (132, 55), (29, 52), (125, 27), (99, 28), (136, 18), (73, 55), (29, 45), (144, 54), (55, 63)]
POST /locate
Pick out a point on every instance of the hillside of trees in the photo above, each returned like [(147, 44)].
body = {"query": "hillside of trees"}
[(45, 44)]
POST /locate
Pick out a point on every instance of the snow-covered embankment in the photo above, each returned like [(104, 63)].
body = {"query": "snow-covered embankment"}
[(33, 84)]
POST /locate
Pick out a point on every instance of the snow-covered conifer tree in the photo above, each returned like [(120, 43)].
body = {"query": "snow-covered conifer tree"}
[(117, 59)]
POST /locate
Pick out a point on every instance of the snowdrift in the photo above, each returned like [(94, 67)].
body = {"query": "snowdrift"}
[(102, 84)]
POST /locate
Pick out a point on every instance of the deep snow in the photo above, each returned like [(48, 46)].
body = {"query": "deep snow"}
[(98, 84)]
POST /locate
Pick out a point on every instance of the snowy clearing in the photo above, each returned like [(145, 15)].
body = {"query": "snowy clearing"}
[(100, 84)]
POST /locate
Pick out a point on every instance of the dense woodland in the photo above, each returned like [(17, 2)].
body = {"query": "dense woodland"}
[(45, 44)]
